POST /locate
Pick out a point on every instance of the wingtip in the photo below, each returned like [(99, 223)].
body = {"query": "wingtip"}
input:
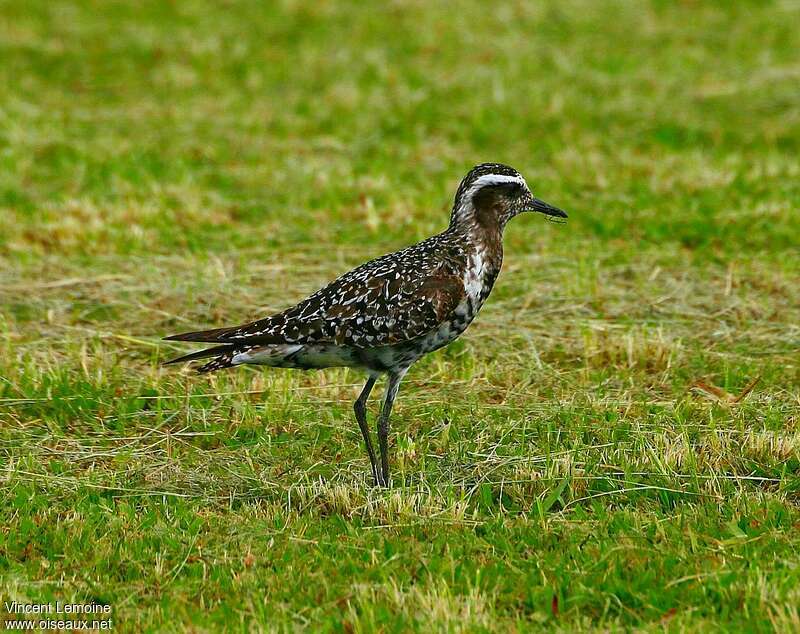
[(184, 336), (208, 336)]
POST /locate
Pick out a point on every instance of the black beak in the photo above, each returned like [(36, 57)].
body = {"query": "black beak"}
[(534, 204)]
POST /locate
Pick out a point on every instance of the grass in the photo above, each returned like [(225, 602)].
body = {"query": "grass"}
[(587, 457)]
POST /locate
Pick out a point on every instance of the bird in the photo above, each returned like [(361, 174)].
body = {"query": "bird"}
[(384, 315)]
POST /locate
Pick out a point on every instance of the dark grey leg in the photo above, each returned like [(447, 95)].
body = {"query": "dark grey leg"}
[(360, 407), (383, 421)]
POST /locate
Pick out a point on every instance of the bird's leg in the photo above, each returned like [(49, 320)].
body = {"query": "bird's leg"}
[(383, 421), (360, 408)]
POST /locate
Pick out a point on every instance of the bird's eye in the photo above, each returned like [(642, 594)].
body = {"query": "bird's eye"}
[(513, 190)]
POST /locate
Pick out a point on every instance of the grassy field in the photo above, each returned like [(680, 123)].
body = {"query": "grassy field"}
[(592, 454)]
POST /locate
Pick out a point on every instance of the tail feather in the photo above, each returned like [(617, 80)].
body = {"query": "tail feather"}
[(225, 360), (202, 354)]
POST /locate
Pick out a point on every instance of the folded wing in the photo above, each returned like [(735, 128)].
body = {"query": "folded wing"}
[(385, 302)]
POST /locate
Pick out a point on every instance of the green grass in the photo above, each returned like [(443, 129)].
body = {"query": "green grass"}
[(568, 464)]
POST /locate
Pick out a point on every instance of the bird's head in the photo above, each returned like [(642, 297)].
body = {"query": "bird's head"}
[(492, 193)]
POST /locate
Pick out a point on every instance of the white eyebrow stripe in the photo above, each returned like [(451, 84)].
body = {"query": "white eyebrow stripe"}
[(495, 179)]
